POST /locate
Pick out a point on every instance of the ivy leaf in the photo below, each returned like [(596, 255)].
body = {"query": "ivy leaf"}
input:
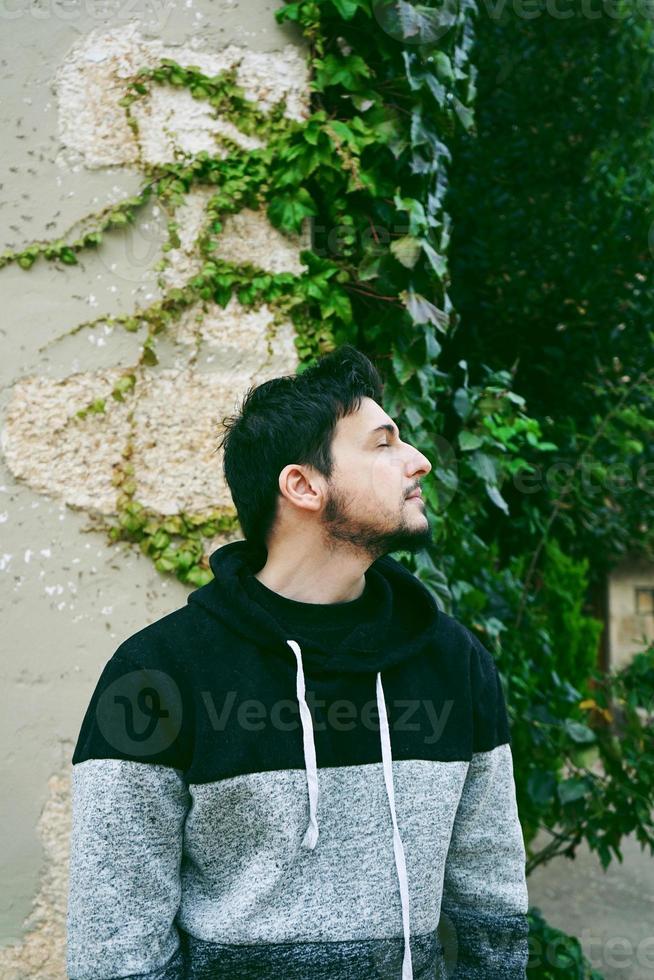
[(572, 789), (369, 180), (414, 416), (346, 8), (340, 71), (579, 732), (363, 101), (290, 11), (369, 266), (148, 355), (397, 146), (314, 128), (497, 497), (406, 250), (422, 311), (484, 466), (415, 210), (425, 134), (416, 23), (434, 578), (289, 210), (437, 261), (68, 256), (403, 369), (436, 89), (465, 114), (541, 786), (461, 403), (443, 65), (433, 347), (468, 440), (339, 303), (342, 131)]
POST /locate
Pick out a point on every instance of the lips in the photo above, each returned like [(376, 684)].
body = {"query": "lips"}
[(417, 494)]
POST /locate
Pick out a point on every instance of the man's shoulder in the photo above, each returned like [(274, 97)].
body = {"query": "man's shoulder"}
[(492, 727), (475, 665), (166, 639), (462, 638)]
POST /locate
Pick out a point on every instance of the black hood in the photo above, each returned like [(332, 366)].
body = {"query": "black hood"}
[(406, 615)]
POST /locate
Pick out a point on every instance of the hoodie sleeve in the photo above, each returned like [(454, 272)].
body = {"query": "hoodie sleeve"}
[(129, 804), (484, 922)]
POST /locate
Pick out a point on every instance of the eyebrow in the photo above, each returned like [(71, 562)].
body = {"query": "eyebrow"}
[(386, 427)]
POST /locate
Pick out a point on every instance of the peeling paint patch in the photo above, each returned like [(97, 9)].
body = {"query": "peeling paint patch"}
[(92, 79), (190, 217), (177, 426), (239, 335), (248, 236), (170, 120), (53, 451), (174, 430)]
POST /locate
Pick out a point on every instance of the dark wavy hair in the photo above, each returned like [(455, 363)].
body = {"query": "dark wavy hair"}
[(290, 419)]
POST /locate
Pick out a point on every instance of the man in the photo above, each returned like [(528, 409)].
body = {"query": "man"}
[(305, 772)]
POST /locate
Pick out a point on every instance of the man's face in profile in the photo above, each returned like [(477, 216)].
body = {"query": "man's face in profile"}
[(369, 504)]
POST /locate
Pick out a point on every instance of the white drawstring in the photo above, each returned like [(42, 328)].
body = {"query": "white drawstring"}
[(311, 835), (400, 863)]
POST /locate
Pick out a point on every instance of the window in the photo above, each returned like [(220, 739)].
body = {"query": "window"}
[(644, 601)]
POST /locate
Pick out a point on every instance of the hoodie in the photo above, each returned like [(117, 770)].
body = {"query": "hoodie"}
[(265, 788)]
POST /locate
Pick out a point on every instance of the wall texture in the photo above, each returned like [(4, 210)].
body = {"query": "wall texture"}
[(69, 596), (630, 628)]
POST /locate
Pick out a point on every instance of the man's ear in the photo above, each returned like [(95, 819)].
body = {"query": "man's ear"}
[(301, 486)]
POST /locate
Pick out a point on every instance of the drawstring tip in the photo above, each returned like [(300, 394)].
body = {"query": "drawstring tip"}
[(310, 837)]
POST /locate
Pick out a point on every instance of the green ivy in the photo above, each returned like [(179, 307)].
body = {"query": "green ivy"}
[(114, 216), (554, 955), (175, 544)]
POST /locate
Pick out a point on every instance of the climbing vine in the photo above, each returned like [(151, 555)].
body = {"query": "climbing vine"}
[(368, 169), (368, 165), (65, 250)]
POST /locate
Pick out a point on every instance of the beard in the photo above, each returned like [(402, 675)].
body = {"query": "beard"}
[(374, 538)]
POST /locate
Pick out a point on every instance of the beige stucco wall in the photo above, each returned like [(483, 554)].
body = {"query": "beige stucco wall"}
[(629, 632), (68, 596)]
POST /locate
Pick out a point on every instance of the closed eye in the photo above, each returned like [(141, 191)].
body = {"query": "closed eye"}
[(383, 444)]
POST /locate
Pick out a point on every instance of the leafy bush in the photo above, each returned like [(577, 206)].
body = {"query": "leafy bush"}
[(554, 955)]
